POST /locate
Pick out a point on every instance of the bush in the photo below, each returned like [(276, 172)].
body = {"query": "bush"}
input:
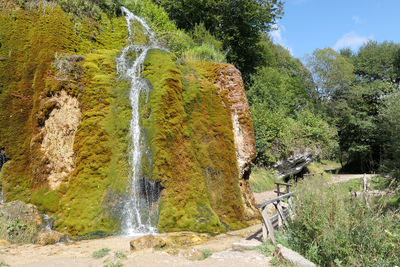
[(329, 228), (101, 253)]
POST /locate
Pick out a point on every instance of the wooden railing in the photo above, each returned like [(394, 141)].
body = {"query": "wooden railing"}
[(282, 214)]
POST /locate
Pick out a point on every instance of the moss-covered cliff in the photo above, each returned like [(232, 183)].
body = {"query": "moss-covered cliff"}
[(64, 124)]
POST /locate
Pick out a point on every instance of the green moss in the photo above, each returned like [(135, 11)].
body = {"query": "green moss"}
[(46, 199), (190, 132), (33, 43)]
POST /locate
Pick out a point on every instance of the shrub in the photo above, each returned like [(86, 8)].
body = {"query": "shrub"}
[(330, 228), (101, 253)]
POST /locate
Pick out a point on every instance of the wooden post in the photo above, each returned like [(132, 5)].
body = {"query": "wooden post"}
[(268, 229), (281, 214)]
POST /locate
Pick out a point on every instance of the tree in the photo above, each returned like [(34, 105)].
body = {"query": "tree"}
[(237, 23), (332, 73), (378, 61)]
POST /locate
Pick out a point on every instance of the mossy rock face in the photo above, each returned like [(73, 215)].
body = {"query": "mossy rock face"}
[(44, 52), (19, 222), (189, 128), (186, 122)]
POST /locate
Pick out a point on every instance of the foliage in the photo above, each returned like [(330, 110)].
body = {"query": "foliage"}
[(198, 44), (377, 61), (204, 254), (389, 115), (100, 253), (262, 179), (332, 73), (329, 227), (284, 114), (120, 255), (238, 24)]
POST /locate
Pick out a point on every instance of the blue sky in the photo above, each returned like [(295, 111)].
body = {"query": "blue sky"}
[(310, 24)]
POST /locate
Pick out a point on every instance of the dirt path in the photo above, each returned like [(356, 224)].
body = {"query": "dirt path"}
[(80, 253), (338, 178)]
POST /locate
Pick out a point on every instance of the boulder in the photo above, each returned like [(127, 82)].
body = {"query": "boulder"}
[(292, 257), (230, 85), (50, 237), (4, 243), (147, 241), (295, 162), (245, 244), (19, 222)]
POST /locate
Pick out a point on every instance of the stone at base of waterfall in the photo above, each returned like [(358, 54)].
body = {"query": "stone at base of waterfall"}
[(292, 257), (245, 244), (4, 243), (50, 237), (147, 241), (20, 223)]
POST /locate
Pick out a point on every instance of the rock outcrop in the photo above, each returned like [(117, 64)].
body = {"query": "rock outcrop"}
[(58, 137), (230, 84), (147, 241), (19, 222), (65, 124), (295, 162)]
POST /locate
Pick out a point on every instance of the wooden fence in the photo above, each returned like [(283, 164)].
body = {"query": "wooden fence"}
[(282, 214)]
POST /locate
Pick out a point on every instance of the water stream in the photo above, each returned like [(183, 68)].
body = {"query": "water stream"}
[(138, 216)]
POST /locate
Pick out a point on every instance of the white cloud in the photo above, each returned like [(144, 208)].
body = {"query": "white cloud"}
[(276, 36), (356, 19), (352, 40)]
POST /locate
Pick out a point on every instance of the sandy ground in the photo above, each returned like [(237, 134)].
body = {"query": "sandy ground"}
[(80, 253)]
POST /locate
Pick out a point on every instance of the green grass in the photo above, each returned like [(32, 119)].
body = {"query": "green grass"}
[(120, 255), (100, 253), (262, 179), (204, 255), (114, 264)]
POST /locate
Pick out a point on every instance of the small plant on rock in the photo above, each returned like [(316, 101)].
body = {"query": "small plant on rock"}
[(204, 255), (101, 253)]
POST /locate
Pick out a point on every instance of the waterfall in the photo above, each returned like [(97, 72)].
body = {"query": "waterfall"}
[(137, 214)]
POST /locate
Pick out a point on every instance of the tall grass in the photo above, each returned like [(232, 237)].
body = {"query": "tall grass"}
[(262, 179), (330, 228)]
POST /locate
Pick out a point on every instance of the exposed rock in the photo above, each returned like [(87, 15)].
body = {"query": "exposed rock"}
[(292, 257), (49, 237), (191, 254), (295, 162), (59, 133), (185, 239), (19, 222), (245, 244), (230, 85), (4, 243), (147, 241)]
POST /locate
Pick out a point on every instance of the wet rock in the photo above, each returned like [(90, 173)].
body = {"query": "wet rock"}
[(50, 237), (19, 222), (147, 241), (295, 162)]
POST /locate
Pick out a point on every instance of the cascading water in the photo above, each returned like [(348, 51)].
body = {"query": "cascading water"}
[(137, 215)]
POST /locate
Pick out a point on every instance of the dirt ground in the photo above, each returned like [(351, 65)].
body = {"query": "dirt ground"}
[(80, 253)]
